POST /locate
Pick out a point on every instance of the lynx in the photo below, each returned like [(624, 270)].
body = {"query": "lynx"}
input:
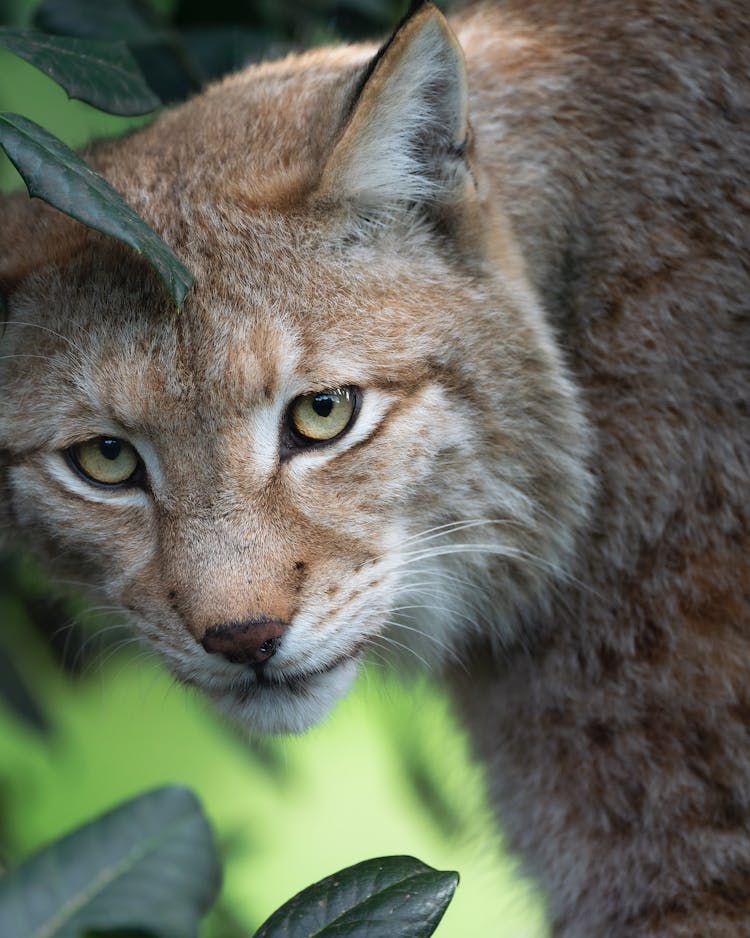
[(465, 373)]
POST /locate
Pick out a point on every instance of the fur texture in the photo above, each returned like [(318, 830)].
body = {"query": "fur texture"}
[(531, 267)]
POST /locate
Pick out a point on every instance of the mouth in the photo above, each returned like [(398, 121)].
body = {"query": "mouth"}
[(271, 703), (297, 683), (269, 700)]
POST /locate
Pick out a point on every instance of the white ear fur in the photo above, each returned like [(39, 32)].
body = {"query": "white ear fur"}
[(406, 137)]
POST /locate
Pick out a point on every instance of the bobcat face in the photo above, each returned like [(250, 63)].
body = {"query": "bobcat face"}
[(356, 434)]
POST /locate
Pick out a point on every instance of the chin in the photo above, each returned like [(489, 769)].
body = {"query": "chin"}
[(285, 703)]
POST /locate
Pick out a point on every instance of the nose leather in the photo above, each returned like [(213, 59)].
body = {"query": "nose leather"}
[(251, 642)]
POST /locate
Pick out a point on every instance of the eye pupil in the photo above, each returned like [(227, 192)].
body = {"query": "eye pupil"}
[(323, 405), (109, 448)]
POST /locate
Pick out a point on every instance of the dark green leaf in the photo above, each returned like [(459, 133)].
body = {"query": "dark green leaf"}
[(156, 46), (168, 68), (104, 74), (219, 49), (390, 897), (54, 173), (13, 12), (129, 20), (148, 866)]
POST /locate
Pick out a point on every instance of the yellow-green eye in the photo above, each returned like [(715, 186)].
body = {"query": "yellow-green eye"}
[(105, 460), (322, 415)]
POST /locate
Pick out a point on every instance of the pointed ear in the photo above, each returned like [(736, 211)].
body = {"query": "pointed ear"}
[(405, 141)]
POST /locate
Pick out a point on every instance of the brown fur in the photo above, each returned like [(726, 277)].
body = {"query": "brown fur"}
[(547, 311)]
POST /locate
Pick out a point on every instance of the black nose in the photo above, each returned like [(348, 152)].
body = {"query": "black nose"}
[(251, 642)]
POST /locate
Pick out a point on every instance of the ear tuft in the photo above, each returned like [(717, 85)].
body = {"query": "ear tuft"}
[(405, 140)]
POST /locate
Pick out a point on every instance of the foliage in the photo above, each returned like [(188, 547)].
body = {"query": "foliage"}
[(389, 897), (54, 173), (101, 70), (389, 773), (149, 867), (103, 74)]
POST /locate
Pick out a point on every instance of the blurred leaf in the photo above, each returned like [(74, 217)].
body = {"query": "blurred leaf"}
[(103, 74), (425, 778), (390, 897), (118, 933), (158, 48), (34, 611), (169, 68), (128, 20), (224, 921), (220, 49), (54, 173), (14, 12), (16, 694), (149, 866)]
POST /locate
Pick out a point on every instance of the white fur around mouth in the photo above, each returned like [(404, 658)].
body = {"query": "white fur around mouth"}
[(293, 681), (285, 703)]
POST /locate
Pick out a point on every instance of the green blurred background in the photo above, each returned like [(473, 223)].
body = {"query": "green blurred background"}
[(87, 718)]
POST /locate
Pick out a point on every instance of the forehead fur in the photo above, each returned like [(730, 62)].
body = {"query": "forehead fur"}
[(273, 323), (258, 138), (280, 304)]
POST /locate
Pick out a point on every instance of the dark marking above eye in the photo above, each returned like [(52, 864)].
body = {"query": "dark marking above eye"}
[(300, 568)]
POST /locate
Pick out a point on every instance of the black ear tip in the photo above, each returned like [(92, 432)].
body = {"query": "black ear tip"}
[(415, 7)]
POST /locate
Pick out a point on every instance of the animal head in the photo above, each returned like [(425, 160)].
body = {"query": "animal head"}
[(356, 435)]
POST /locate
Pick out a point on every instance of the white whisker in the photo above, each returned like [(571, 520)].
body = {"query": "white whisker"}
[(392, 641), (449, 651), (443, 530), (44, 358), (35, 325)]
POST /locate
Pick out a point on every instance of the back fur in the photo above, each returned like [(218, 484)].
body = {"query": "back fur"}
[(542, 300)]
